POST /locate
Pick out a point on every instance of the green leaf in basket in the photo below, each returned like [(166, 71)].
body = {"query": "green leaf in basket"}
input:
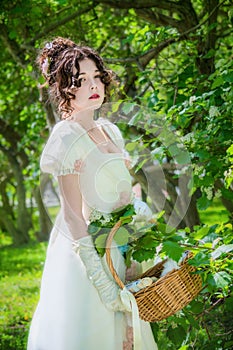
[(93, 229), (128, 258), (100, 241), (130, 211), (173, 250), (148, 242), (121, 236), (143, 255)]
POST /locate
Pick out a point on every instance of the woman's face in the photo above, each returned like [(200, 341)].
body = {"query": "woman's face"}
[(90, 95)]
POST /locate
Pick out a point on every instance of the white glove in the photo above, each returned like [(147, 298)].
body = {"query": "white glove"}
[(108, 290), (143, 212)]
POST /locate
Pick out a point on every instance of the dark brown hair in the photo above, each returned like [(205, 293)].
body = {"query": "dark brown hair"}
[(57, 61)]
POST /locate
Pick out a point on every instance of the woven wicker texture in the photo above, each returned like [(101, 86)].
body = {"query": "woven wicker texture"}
[(168, 294)]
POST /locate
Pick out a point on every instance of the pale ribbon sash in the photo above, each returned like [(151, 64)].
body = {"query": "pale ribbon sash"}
[(130, 303)]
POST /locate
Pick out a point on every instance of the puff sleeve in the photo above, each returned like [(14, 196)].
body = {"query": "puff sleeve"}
[(63, 148)]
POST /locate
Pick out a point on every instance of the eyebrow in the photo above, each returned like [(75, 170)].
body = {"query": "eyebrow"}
[(97, 70)]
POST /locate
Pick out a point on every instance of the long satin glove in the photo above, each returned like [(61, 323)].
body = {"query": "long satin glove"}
[(108, 290), (142, 210)]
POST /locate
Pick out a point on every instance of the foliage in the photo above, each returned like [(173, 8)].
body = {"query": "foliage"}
[(101, 224), (210, 138)]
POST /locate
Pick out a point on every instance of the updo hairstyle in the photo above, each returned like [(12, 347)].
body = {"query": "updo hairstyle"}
[(58, 60)]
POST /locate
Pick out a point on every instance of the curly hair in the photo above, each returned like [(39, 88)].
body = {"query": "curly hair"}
[(57, 61)]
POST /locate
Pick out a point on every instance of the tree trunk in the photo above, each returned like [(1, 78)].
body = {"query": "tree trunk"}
[(228, 204), (180, 209), (44, 219), (23, 217), (205, 60), (17, 237)]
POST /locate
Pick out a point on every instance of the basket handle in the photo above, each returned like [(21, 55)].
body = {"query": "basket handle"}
[(108, 254)]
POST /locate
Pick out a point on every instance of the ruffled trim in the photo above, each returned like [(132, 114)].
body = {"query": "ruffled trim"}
[(66, 171)]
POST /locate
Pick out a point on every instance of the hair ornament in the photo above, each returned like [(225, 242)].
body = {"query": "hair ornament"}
[(45, 66), (49, 45), (73, 86)]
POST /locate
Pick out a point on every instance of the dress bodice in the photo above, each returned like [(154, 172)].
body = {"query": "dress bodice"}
[(104, 180)]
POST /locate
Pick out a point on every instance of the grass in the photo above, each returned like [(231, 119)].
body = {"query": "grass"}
[(21, 270), (214, 214)]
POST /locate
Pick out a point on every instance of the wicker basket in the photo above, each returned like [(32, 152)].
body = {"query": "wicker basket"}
[(168, 294)]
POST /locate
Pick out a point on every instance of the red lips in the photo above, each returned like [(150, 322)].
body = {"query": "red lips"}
[(94, 96)]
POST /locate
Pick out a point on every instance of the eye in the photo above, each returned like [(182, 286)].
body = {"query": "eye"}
[(97, 76), (81, 80)]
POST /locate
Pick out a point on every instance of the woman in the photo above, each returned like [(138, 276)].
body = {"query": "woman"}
[(80, 305)]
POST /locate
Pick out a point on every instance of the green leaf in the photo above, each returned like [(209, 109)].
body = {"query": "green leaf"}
[(155, 329), (228, 77), (165, 229), (191, 319), (128, 258), (210, 53), (176, 335), (230, 150), (222, 279), (199, 234), (217, 82), (183, 157), (203, 203), (200, 259), (100, 241), (143, 255), (202, 154), (196, 306), (173, 250), (130, 211), (93, 229), (122, 236), (148, 242), (131, 146), (225, 248)]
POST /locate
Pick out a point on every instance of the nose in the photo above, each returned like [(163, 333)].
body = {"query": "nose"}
[(93, 85)]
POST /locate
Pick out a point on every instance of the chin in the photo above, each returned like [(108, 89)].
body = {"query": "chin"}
[(97, 105)]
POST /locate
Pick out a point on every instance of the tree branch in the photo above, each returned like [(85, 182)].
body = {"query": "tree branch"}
[(13, 138), (146, 57), (12, 46), (142, 4), (60, 23)]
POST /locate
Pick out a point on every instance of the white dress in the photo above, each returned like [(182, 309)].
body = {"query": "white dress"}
[(70, 314)]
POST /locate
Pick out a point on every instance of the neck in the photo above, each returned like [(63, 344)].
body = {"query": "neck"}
[(84, 118)]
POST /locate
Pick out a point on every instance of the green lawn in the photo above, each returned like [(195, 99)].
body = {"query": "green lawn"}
[(21, 270), (215, 214)]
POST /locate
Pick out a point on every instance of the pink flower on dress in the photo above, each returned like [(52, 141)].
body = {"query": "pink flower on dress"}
[(78, 165)]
